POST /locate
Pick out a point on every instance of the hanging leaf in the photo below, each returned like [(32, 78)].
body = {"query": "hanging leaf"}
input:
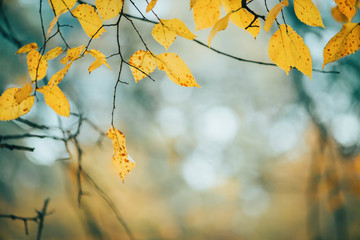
[(151, 5), (176, 69), (89, 20), (37, 65), (60, 5), (53, 53), (287, 50), (59, 76), (219, 26), (308, 13), (72, 54), (347, 7), (15, 102), (144, 61), (97, 63), (206, 13), (54, 21), (100, 60), (122, 163), (337, 15), (192, 3), (345, 42), (27, 48), (272, 15), (56, 99), (241, 17), (109, 9)]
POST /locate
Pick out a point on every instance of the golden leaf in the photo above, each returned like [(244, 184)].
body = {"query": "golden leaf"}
[(192, 3), (54, 21), (241, 17), (144, 61), (100, 60), (219, 26), (176, 69), (72, 54), (287, 50), (151, 5), (27, 48), (179, 27), (89, 20), (120, 158), (308, 13), (37, 65), (337, 15), (15, 102), (347, 7), (60, 5), (56, 99), (206, 13), (53, 53), (59, 76), (109, 9), (273, 14), (97, 63), (345, 42)]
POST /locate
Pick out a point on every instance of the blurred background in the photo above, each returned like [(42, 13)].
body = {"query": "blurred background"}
[(252, 154)]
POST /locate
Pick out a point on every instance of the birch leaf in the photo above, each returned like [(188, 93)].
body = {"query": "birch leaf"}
[(144, 61), (23, 93), (308, 13), (109, 9), (345, 42), (287, 50), (97, 63), (56, 99), (206, 13), (179, 27), (192, 3), (27, 48), (60, 5), (37, 65), (59, 76), (54, 21), (53, 53), (98, 55), (122, 163), (219, 26), (163, 35), (347, 7), (72, 54), (89, 20), (272, 15), (176, 69), (337, 15), (151, 5)]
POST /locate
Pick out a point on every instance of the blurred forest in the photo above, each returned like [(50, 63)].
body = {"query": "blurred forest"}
[(252, 154)]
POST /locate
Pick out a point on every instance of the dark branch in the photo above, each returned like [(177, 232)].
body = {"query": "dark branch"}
[(16, 147)]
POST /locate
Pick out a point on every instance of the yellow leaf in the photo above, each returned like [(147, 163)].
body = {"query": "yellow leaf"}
[(241, 18), (109, 9), (99, 56), (72, 54), (308, 13), (58, 76), (96, 53), (177, 26), (60, 5), (151, 5), (287, 50), (345, 42), (27, 48), (89, 20), (56, 99), (10, 107), (192, 3), (176, 69), (53, 53), (144, 61), (37, 70), (337, 15), (273, 14), (54, 21), (347, 7), (23, 93), (219, 26), (97, 63), (206, 13), (120, 158)]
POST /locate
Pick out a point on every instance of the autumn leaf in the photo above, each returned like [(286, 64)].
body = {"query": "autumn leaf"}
[(206, 13), (274, 12), (109, 9), (60, 5), (120, 158), (287, 50), (142, 63), (192, 3), (241, 17), (151, 5), (54, 21), (72, 54), (59, 76), (37, 65), (337, 15), (27, 48), (100, 60), (53, 53), (219, 26), (308, 13), (345, 42), (176, 69), (89, 20), (166, 31), (56, 99), (347, 7), (15, 102)]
